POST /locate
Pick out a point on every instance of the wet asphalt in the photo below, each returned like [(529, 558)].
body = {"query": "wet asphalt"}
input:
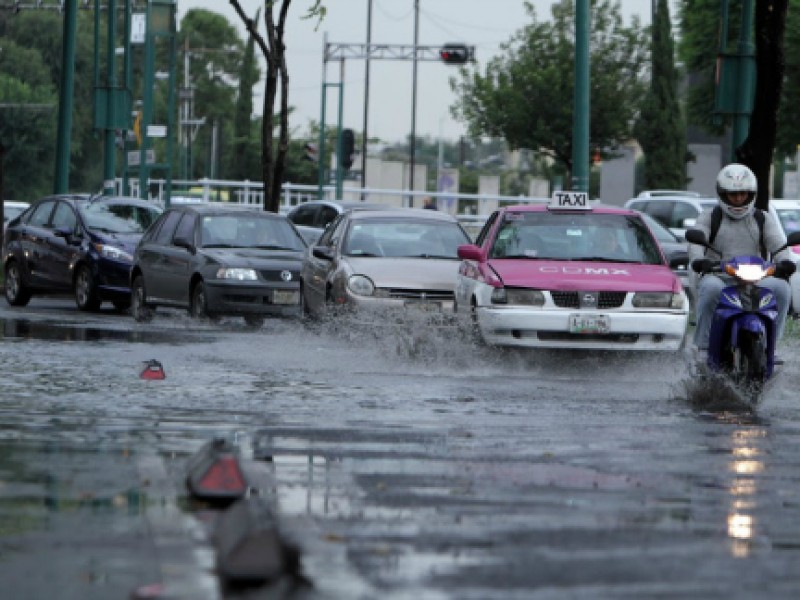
[(402, 461)]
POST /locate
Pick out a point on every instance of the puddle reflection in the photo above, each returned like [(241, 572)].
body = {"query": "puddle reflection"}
[(746, 465), (13, 328)]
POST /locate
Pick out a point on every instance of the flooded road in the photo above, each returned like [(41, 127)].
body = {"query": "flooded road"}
[(405, 462)]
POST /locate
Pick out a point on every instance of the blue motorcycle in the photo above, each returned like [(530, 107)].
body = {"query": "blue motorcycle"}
[(741, 346)]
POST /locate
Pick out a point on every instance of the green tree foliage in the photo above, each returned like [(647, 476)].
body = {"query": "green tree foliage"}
[(661, 130), (27, 131), (773, 122), (32, 47), (216, 54), (788, 137), (525, 95), (240, 158), (698, 48)]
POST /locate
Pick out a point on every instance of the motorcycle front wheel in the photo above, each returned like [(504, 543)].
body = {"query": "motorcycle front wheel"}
[(750, 363)]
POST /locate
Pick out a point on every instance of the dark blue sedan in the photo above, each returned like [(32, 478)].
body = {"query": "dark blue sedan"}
[(75, 243)]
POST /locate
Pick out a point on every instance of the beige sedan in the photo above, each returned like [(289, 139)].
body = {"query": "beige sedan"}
[(384, 259)]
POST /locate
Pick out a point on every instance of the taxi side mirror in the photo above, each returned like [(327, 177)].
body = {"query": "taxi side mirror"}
[(470, 252)]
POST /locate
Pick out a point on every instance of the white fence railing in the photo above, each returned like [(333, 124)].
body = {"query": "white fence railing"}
[(251, 193)]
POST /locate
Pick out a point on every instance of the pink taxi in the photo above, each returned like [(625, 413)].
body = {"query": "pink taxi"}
[(570, 274)]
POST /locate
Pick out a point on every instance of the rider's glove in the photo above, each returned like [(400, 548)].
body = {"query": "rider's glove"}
[(785, 268), (702, 265)]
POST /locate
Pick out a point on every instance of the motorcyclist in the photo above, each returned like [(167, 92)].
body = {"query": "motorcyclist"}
[(739, 234)]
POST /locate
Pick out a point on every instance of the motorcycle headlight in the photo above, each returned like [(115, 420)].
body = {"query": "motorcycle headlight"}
[(113, 252), (657, 300), (236, 273), (361, 285)]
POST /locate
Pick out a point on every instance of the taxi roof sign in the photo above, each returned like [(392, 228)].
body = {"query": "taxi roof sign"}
[(569, 201)]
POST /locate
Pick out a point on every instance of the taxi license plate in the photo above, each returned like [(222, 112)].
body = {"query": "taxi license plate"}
[(589, 324), (285, 297)]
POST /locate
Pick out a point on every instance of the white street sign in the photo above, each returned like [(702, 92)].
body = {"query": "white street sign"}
[(138, 28), (156, 131)]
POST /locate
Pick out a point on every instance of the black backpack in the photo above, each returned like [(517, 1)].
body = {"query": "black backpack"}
[(716, 220)]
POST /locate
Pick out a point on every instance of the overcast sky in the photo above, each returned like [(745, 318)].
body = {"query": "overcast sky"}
[(486, 24)]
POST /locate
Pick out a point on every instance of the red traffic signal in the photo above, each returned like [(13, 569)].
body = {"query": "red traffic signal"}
[(456, 54)]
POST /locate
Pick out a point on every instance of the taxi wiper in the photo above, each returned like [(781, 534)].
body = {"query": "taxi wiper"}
[(529, 257), (606, 259), (445, 256)]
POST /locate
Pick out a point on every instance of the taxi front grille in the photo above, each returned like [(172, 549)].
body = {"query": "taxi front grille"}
[(563, 336), (572, 299)]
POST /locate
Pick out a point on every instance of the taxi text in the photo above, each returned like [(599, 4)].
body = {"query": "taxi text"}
[(584, 270), (570, 200)]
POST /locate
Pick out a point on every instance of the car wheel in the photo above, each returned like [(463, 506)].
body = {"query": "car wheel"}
[(474, 326), (307, 312), (139, 309), (199, 305), (16, 292), (254, 321), (85, 291)]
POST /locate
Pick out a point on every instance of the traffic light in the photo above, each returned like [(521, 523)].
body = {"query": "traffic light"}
[(456, 54), (348, 148)]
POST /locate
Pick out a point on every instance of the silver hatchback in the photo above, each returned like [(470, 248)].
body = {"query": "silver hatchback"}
[(384, 259)]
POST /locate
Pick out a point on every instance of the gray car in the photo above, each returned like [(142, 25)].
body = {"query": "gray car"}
[(384, 260), (676, 211), (217, 260)]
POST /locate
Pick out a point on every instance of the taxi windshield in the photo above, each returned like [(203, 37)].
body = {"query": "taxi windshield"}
[(575, 237)]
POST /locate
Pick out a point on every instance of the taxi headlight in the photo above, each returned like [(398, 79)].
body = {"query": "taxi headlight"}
[(525, 297), (499, 296), (361, 285), (657, 300), (113, 252), (236, 273)]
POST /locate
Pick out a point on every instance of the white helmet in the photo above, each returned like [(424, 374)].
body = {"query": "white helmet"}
[(737, 178)]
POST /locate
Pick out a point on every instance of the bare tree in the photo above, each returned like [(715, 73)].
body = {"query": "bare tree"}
[(274, 50)]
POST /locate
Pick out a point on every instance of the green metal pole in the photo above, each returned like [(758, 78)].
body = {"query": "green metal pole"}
[(128, 71), (746, 79), (110, 148), (580, 123), (61, 181), (147, 104), (173, 51), (321, 149), (339, 171)]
